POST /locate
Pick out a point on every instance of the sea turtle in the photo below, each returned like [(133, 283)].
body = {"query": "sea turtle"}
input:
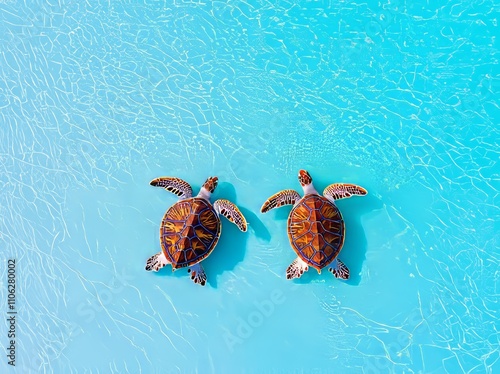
[(315, 226), (191, 228)]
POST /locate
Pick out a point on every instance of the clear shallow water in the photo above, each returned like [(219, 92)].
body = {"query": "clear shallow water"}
[(98, 99)]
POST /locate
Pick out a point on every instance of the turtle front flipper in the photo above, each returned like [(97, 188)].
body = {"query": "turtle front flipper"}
[(296, 269), (339, 191), (285, 197), (177, 186), (198, 274), (231, 212), (339, 270), (156, 262)]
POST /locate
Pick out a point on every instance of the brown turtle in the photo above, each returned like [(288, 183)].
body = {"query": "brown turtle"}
[(315, 226), (191, 227)]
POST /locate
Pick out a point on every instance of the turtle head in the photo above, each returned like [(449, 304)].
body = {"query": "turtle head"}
[(211, 184), (304, 178)]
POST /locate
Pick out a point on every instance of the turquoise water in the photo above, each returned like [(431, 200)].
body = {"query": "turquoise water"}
[(98, 98)]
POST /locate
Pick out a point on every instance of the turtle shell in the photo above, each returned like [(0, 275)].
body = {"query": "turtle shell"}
[(189, 232), (316, 230)]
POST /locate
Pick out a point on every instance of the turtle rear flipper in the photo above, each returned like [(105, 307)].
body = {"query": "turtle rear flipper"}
[(296, 269), (156, 262), (339, 191), (177, 186), (339, 270), (231, 212), (198, 274)]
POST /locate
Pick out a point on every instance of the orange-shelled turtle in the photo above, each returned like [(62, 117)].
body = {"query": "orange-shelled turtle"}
[(315, 225), (191, 228)]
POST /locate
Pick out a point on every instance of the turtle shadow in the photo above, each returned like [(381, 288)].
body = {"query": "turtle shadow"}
[(231, 248), (353, 252), (255, 225), (282, 213)]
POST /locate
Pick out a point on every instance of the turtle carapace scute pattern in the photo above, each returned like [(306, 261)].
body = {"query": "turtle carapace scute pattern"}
[(189, 231), (316, 229), (191, 228)]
